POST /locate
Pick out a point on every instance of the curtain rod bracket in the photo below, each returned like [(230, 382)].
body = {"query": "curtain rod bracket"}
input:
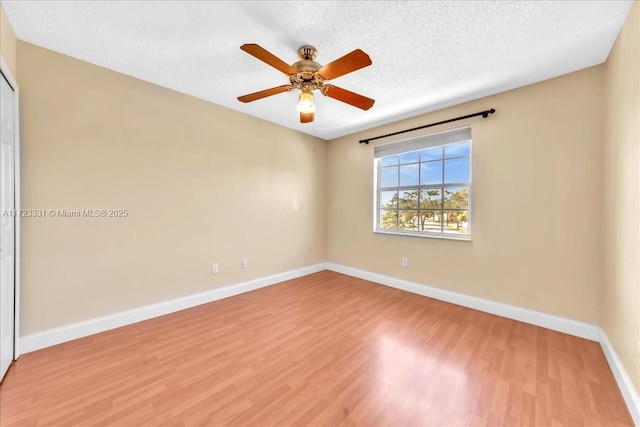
[(484, 115)]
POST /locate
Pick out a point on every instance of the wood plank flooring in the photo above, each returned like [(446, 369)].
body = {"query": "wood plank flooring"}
[(325, 349)]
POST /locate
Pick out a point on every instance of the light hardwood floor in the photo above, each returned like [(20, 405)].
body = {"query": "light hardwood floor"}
[(325, 349)]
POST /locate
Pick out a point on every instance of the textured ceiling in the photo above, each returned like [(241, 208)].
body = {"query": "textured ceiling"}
[(426, 55)]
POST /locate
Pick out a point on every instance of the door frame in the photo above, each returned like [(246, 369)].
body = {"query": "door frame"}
[(6, 72)]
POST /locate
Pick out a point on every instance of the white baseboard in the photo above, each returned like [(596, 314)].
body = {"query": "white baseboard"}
[(85, 328), (627, 389), (549, 321)]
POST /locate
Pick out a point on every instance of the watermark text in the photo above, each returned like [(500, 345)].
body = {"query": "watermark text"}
[(65, 213)]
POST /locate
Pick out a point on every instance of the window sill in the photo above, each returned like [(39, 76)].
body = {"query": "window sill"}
[(464, 238)]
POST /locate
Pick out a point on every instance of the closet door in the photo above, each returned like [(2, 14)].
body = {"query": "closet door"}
[(7, 225)]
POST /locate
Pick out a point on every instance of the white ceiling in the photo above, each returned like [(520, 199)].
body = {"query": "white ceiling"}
[(426, 55)]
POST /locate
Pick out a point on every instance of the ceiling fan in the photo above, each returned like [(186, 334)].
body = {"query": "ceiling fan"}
[(307, 76)]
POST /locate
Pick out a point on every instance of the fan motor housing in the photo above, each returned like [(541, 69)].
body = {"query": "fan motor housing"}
[(306, 66)]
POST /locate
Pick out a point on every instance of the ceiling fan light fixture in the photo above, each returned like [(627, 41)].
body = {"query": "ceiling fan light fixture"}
[(306, 104), (307, 75)]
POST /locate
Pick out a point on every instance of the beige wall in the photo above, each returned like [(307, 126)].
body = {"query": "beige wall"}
[(621, 290), (536, 207), (7, 42), (201, 184)]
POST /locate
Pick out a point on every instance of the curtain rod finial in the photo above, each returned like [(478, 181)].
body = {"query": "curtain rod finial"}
[(486, 113)]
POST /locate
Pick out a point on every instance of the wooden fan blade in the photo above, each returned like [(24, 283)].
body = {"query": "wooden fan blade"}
[(306, 117), (350, 98), (350, 62), (264, 93), (267, 57)]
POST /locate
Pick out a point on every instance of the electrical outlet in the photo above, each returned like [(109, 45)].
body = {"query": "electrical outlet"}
[(214, 268), (245, 263), (405, 262)]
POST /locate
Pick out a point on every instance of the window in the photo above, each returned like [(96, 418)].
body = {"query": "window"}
[(423, 185)]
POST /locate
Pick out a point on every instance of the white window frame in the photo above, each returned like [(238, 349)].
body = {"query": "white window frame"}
[(416, 143)]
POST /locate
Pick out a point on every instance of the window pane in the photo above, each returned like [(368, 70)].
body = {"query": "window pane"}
[(408, 220), (431, 198), (431, 173), (458, 149), (409, 174), (389, 199), (412, 157), (389, 161), (434, 153), (456, 222), (456, 198), (388, 219), (389, 177), (426, 191), (430, 221), (456, 170), (409, 199)]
